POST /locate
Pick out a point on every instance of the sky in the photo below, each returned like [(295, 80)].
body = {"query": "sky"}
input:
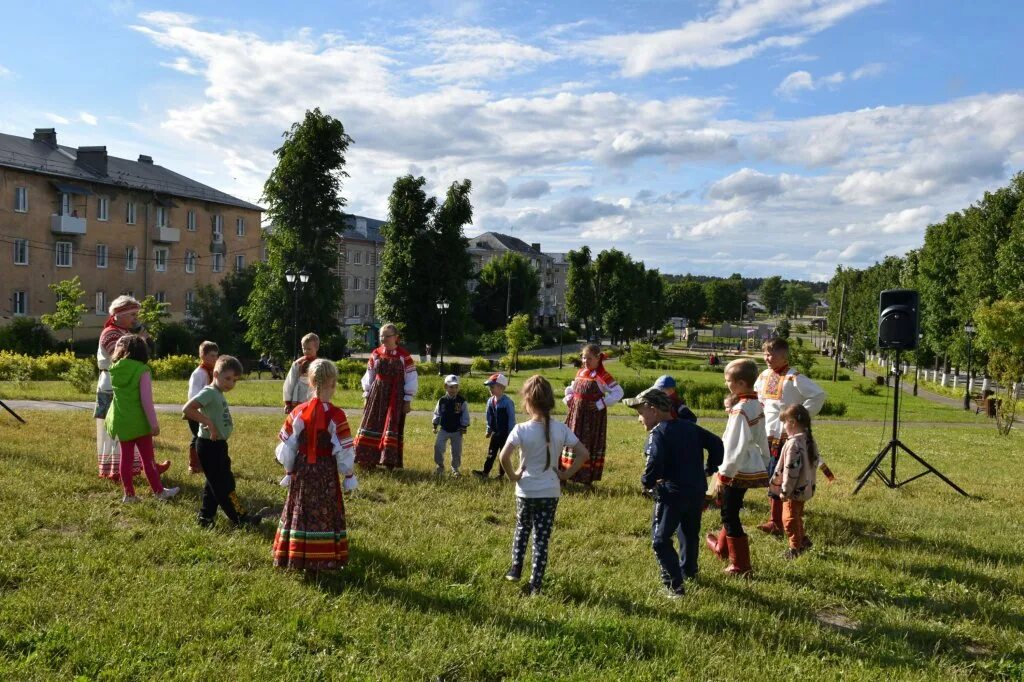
[(709, 137)]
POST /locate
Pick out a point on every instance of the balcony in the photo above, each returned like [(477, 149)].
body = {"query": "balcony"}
[(66, 224), (167, 235)]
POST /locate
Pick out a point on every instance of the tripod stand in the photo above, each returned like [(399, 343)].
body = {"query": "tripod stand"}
[(894, 443), (13, 413)]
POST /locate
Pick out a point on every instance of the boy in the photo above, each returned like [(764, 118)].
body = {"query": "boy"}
[(452, 415), (201, 377), (778, 387), (501, 417), (296, 388), (675, 477), (210, 409), (667, 384)]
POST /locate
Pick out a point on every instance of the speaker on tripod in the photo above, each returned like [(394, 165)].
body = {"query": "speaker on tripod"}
[(898, 330)]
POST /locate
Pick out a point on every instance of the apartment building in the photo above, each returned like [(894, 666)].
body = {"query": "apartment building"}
[(552, 270), (121, 226), (359, 253)]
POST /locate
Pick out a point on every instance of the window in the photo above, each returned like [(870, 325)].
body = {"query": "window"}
[(190, 261), (355, 284), (358, 255), (129, 213), (240, 227), (218, 228), (63, 254), (190, 298), (160, 259), (19, 303), (102, 208), (21, 252), (131, 258), (101, 303), (239, 262), (21, 199), (191, 222), (161, 216), (373, 284), (218, 262), (351, 310), (371, 258), (101, 255), (344, 282), (366, 283), (161, 297), (65, 203), (371, 311)]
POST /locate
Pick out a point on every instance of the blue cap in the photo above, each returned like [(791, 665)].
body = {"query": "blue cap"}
[(664, 381)]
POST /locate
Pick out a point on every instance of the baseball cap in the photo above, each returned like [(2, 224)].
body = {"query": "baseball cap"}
[(654, 397), (664, 381), (451, 380), (497, 378)]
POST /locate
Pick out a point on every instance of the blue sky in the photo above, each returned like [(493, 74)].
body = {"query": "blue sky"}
[(758, 136)]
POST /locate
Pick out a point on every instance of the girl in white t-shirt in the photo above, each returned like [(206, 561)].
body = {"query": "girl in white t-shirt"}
[(538, 478)]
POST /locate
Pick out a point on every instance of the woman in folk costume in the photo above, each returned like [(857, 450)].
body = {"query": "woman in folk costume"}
[(589, 396), (389, 385), (316, 446), (123, 319)]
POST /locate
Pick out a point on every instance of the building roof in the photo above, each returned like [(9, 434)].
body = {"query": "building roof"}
[(495, 241), (62, 162), (360, 228)]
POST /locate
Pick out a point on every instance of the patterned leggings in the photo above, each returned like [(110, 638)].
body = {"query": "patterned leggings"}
[(536, 514)]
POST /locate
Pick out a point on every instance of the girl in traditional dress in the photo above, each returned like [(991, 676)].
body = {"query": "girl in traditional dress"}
[(589, 396), (316, 446), (389, 385)]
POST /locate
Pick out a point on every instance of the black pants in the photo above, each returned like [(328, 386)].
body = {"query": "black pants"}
[(193, 426), (220, 482), (672, 512), (494, 447), (732, 502)]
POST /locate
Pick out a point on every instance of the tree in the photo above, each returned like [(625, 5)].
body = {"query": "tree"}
[(215, 312), (358, 341), (797, 297), (580, 297), (640, 356), (1001, 333), (509, 280), (724, 299), (771, 294), (517, 337), (153, 316), (68, 314), (304, 206), (686, 299)]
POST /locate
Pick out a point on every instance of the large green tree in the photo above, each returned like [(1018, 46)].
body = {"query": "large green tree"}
[(580, 297), (797, 297), (304, 206), (206, 317), (508, 281), (772, 294), (687, 299)]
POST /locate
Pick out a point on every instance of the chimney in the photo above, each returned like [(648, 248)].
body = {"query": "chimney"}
[(94, 158), (46, 136), (145, 158), (535, 247)]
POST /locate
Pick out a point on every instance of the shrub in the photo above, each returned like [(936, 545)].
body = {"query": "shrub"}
[(173, 366), (81, 375), (833, 408), (867, 389), (15, 367), (350, 366), (704, 396), (51, 366), (529, 362), (432, 388), (175, 339), (426, 368), (464, 345), (569, 336), (27, 336), (480, 364), (351, 381), (493, 342)]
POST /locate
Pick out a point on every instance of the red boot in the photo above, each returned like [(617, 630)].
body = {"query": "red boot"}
[(194, 467), (739, 557), (163, 466), (717, 544), (774, 523)]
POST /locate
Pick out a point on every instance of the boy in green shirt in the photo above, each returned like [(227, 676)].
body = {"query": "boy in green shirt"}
[(210, 409)]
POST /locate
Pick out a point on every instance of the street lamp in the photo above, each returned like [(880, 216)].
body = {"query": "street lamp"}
[(561, 336), (296, 280), (969, 330), (743, 305), (442, 307)]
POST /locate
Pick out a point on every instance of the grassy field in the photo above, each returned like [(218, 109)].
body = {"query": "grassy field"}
[(916, 583)]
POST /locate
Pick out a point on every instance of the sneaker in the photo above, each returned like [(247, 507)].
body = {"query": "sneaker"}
[(204, 522), (167, 493), (481, 474), (534, 590), (456, 474), (439, 471), (514, 573), (675, 592), (129, 499)]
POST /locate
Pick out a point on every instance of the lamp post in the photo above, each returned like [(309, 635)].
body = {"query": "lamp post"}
[(743, 305), (296, 280), (561, 336), (442, 307), (969, 330)]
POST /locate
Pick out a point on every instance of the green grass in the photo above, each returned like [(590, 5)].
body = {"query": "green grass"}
[(918, 583)]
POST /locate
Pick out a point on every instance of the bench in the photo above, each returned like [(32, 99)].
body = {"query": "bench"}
[(986, 402)]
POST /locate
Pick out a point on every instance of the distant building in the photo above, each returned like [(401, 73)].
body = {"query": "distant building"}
[(358, 266), (551, 270), (121, 226)]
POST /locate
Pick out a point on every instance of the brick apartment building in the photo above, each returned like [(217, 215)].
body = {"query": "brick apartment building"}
[(122, 226)]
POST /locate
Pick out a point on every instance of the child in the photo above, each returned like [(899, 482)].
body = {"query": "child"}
[(132, 415), (202, 376), (538, 477), (745, 464), (679, 407), (210, 409), (389, 385), (452, 415), (778, 387), (794, 477), (675, 476), (501, 418), (296, 388), (592, 391), (316, 445)]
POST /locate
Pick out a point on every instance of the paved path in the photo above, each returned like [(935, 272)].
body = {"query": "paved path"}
[(907, 385)]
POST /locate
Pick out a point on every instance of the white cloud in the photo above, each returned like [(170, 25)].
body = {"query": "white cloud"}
[(5, 72), (468, 55), (183, 65), (57, 118), (801, 81), (716, 226), (908, 220), (734, 32), (494, 192), (532, 189), (867, 71), (747, 184), (87, 118), (795, 83)]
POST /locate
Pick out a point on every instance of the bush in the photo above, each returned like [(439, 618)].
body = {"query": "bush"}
[(825, 374), (27, 336), (334, 347), (173, 366), (432, 388), (480, 364), (570, 336), (426, 368), (15, 367), (704, 396), (833, 408), (50, 367), (351, 381), (868, 389), (527, 362), (464, 345), (175, 339), (350, 366), (493, 342), (81, 375)]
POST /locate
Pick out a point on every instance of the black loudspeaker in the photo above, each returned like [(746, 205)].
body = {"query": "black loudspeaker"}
[(898, 319)]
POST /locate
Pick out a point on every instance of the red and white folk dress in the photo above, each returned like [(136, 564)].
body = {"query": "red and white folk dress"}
[(589, 396), (389, 382)]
